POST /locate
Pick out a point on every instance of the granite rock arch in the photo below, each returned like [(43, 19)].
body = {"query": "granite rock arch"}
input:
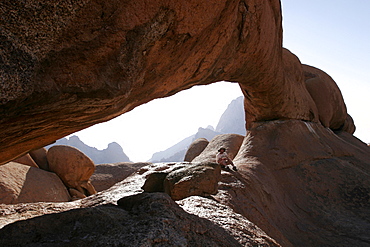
[(67, 65)]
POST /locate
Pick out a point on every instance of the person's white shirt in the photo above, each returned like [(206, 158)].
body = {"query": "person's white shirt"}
[(220, 156)]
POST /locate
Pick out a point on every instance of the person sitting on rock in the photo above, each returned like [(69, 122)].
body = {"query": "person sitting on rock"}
[(223, 159)]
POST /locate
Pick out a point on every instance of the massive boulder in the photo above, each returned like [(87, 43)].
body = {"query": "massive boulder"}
[(328, 99), (73, 167), (181, 180), (201, 179), (312, 184), (21, 183)]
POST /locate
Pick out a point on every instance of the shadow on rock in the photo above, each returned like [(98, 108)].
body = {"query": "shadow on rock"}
[(145, 219)]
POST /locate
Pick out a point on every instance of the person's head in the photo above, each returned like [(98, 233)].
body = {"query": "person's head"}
[(221, 150)]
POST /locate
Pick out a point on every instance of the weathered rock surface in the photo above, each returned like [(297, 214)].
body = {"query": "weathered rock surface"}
[(311, 190), (223, 216), (106, 175), (231, 142), (141, 219), (181, 180), (73, 167), (327, 96), (312, 185), (195, 148), (193, 180), (21, 183)]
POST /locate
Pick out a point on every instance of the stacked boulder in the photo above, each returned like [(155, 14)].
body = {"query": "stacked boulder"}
[(181, 180), (195, 148), (58, 175)]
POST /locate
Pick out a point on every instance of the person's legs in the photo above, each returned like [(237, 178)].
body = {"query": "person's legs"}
[(223, 163), (232, 163)]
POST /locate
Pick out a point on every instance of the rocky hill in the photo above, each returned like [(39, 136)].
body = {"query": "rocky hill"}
[(112, 154), (232, 121)]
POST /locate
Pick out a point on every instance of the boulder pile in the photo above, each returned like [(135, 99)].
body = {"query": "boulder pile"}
[(58, 175)]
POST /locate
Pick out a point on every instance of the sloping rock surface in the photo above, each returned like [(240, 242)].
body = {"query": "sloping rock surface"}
[(139, 219), (106, 175), (231, 142), (26, 160), (200, 179), (21, 183), (303, 183)]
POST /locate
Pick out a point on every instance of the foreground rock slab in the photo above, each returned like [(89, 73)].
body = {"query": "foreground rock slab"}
[(123, 215), (107, 175)]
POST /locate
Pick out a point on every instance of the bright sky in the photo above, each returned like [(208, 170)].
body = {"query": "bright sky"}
[(331, 35), (334, 36)]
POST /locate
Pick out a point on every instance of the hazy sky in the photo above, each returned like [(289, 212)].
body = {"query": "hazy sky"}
[(330, 35)]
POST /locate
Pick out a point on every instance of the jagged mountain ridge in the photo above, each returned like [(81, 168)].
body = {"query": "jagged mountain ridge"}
[(232, 121), (112, 154)]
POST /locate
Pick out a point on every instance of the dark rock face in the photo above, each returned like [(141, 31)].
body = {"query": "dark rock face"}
[(39, 156), (200, 179)]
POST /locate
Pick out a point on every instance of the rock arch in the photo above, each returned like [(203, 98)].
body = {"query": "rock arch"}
[(73, 64)]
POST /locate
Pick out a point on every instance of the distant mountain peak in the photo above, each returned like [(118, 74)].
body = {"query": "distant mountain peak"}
[(112, 154), (232, 121)]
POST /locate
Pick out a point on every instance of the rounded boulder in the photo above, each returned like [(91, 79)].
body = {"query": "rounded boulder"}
[(21, 184), (195, 148), (72, 166)]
